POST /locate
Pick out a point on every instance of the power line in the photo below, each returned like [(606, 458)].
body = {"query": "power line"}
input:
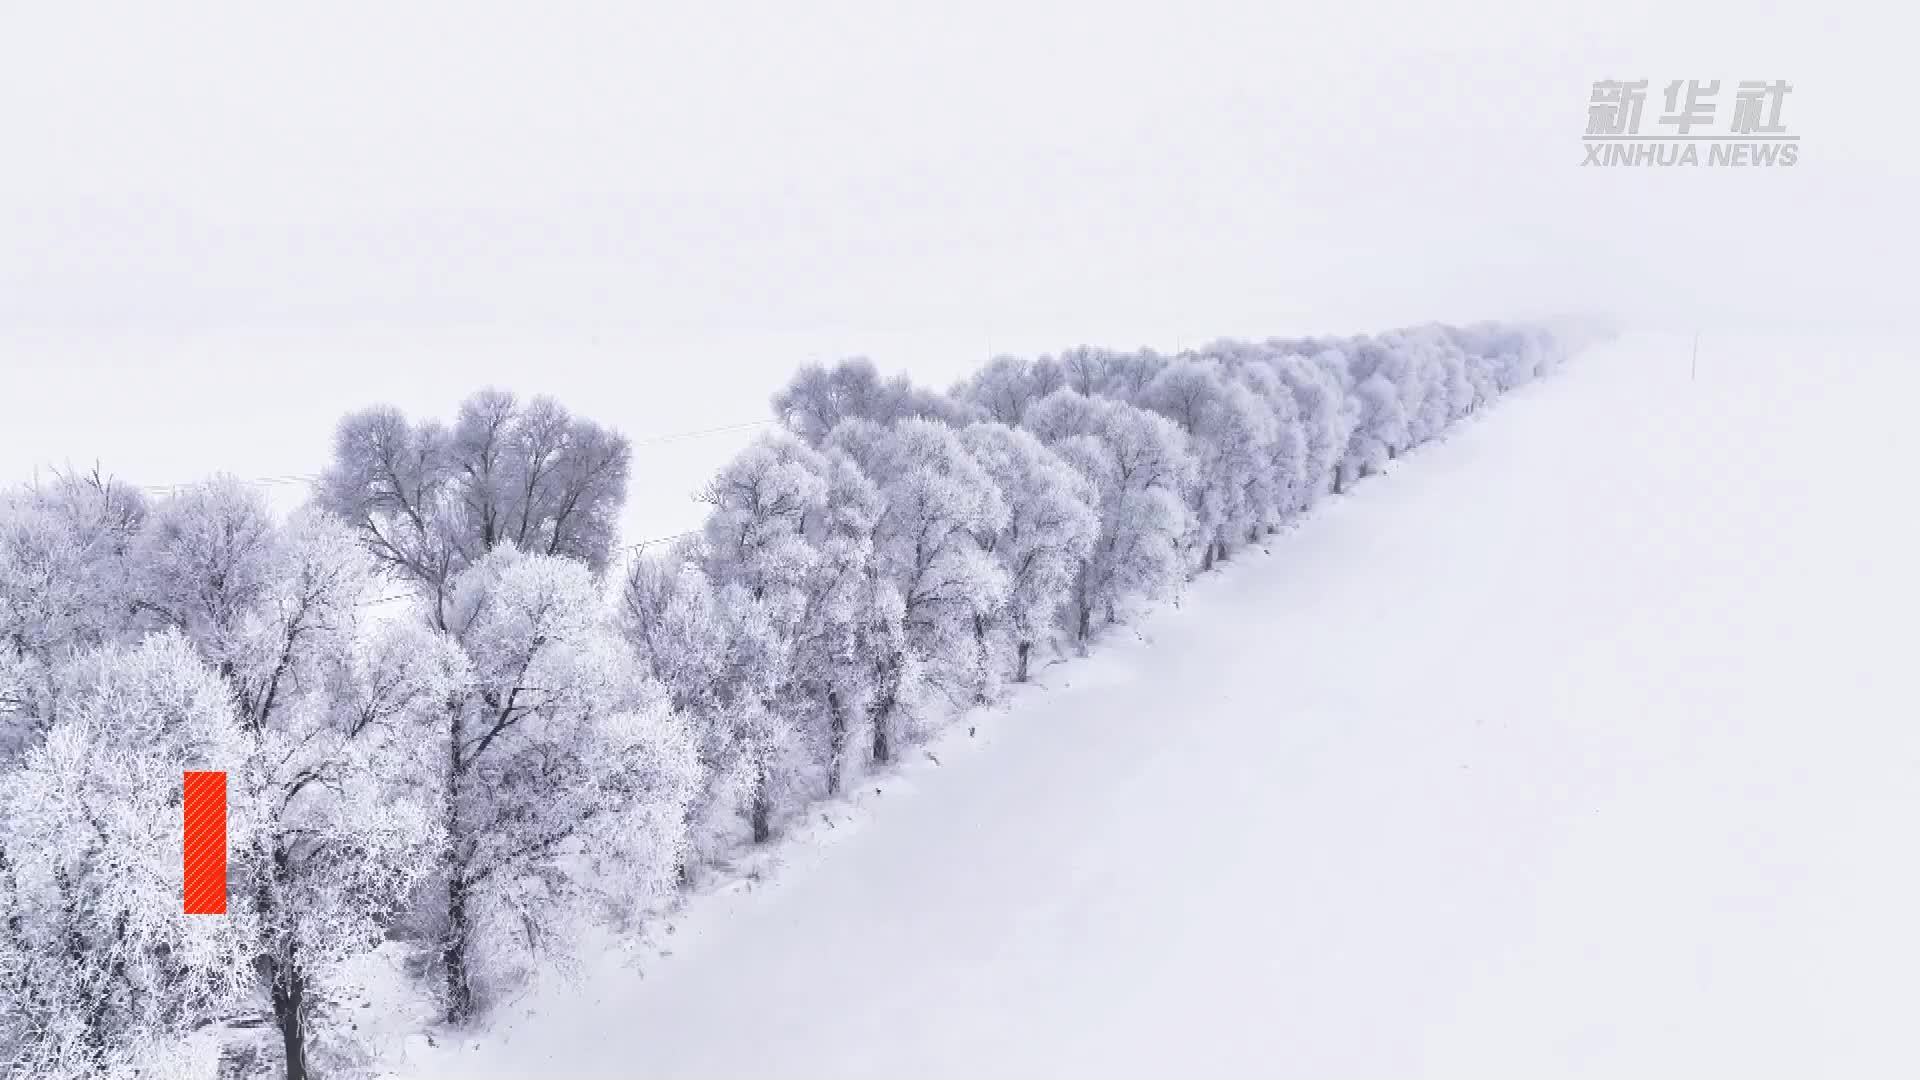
[(679, 435), (637, 545), (384, 599), (308, 478)]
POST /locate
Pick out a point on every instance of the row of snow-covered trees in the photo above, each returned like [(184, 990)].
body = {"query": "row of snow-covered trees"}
[(447, 743)]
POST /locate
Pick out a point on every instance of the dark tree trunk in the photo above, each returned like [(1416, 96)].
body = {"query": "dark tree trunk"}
[(287, 984), (880, 712), (836, 741), (1336, 481), (1206, 559), (762, 811), (1020, 662), (454, 956), (983, 653), (882, 742), (1085, 628), (289, 1015)]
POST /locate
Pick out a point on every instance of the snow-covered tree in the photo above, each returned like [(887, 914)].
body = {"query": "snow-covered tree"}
[(1323, 416), (1049, 532), (818, 399), (1457, 384), (719, 656), (559, 759), (1125, 375), (63, 587), (207, 563), (759, 503), (937, 502), (1280, 491), (1004, 388), (429, 501), (848, 617), (765, 548), (1481, 378), (1379, 429), (1083, 370), (349, 825), (333, 715), (1140, 467), (786, 564), (1231, 432), (98, 968), (1066, 413)]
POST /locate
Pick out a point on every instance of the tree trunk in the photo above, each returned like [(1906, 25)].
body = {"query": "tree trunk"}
[(880, 712), (762, 810), (1020, 668), (836, 741), (289, 1015), (879, 716), (287, 984), (982, 653), (1336, 481), (1206, 559), (882, 743), (454, 956), (1085, 628)]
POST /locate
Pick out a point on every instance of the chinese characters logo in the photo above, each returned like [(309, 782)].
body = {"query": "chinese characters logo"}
[(1685, 126)]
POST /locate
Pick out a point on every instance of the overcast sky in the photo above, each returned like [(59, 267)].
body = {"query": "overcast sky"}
[(220, 227)]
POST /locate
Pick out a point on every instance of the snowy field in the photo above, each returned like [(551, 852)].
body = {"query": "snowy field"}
[(1570, 747)]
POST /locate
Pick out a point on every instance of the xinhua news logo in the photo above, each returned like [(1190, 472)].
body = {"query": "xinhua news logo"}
[(1686, 133)]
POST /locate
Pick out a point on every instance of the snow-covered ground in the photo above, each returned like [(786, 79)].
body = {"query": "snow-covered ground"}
[(1576, 745)]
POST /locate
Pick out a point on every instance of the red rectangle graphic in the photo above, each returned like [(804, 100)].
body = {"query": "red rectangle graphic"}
[(203, 847)]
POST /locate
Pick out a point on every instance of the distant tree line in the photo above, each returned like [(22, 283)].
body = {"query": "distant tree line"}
[(539, 737)]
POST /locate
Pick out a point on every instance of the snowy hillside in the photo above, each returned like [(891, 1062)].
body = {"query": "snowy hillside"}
[(1574, 746)]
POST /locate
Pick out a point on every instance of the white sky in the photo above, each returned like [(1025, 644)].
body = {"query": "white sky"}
[(223, 226)]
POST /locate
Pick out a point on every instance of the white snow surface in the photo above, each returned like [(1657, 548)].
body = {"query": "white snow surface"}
[(1576, 745)]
